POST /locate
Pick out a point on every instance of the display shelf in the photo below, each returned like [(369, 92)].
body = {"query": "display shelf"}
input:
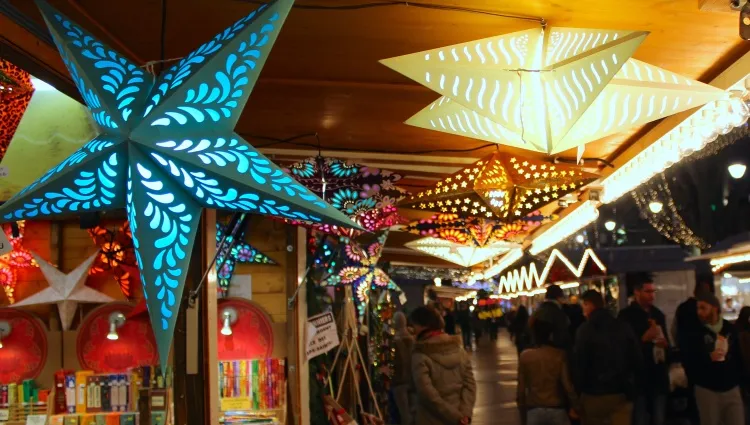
[(18, 412)]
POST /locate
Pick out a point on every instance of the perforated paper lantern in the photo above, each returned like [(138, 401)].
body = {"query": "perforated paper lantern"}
[(547, 90), (167, 149), (15, 94), (463, 255), (502, 187), (241, 252)]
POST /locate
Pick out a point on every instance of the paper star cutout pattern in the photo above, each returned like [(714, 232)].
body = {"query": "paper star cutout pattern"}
[(15, 94), (547, 91), (116, 255), (477, 231), (241, 252), (501, 186), (167, 149), (65, 290), (463, 255), (10, 263)]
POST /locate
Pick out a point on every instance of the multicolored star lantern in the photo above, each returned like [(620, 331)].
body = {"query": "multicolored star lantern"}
[(500, 186), (367, 195), (15, 94), (167, 150), (19, 258), (241, 252), (116, 254), (463, 255), (547, 90), (477, 231)]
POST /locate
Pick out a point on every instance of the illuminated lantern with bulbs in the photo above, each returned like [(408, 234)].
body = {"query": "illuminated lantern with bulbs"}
[(500, 186), (16, 90), (547, 90), (116, 255), (10, 263)]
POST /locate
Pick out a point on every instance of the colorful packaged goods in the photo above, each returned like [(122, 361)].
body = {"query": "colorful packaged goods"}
[(70, 393), (81, 385), (61, 388), (263, 382)]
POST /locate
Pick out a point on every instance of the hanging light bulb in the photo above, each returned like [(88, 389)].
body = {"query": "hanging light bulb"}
[(610, 225), (438, 281), (579, 238), (737, 170), (655, 206), (229, 317), (116, 320)]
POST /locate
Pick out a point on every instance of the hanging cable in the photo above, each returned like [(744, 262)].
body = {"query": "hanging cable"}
[(421, 5)]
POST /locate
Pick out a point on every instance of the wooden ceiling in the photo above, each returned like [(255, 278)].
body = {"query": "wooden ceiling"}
[(323, 75)]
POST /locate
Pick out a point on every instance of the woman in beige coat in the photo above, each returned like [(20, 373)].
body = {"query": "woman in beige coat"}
[(442, 373)]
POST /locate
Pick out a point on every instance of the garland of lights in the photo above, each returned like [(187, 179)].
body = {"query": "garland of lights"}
[(721, 142), (18, 258), (518, 281), (668, 222)]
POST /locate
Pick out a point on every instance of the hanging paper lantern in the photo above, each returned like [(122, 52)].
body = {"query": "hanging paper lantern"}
[(547, 90), (10, 263), (241, 252), (116, 255), (167, 149), (15, 94), (502, 187)]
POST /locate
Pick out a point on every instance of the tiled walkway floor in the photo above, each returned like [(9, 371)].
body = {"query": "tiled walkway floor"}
[(495, 370)]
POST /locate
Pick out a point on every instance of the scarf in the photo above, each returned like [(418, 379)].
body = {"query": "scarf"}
[(716, 327)]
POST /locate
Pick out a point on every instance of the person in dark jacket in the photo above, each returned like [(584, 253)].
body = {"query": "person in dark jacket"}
[(649, 325), (575, 316), (551, 312), (520, 326), (711, 355), (463, 318), (607, 360), (686, 316)]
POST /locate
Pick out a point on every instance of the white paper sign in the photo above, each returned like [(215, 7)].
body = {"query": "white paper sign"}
[(5, 246), (324, 338), (241, 286), (36, 420), (4, 414), (402, 298), (3, 172)]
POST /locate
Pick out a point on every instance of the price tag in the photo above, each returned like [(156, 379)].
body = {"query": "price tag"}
[(3, 172), (36, 420), (235, 403), (402, 298), (5, 246), (4, 414)]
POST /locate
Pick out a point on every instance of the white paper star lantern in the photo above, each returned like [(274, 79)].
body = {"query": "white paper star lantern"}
[(463, 255), (65, 290), (547, 91)]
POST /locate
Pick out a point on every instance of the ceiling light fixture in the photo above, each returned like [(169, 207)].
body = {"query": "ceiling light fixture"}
[(229, 318), (116, 321), (463, 255), (610, 225), (547, 90), (566, 226), (737, 170), (655, 207)]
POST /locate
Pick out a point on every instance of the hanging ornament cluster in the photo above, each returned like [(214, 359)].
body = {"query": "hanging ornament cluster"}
[(367, 195), (116, 255), (241, 252), (15, 94), (668, 221), (10, 263), (502, 187), (547, 90), (167, 149), (477, 231)]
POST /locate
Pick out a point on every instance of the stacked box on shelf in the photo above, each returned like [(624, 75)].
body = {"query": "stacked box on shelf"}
[(263, 382)]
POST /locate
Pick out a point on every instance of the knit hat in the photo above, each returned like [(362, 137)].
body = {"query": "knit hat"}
[(708, 298)]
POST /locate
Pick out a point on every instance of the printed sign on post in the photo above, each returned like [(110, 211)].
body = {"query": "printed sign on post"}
[(4, 414), (322, 335), (5, 246), (36, 420)]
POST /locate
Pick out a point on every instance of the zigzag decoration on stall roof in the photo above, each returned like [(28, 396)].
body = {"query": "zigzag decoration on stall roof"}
[(367, 195), (116, 255), (15, 94), (522, 279), (241, 252), (167, 149)]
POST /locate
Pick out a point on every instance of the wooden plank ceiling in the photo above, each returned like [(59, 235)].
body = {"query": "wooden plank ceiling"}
[(323, 75)]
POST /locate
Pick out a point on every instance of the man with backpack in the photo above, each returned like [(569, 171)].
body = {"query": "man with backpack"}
[(608, 360)]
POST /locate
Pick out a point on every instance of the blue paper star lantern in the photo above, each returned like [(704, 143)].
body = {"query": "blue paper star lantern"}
[(167, 149), (241, 252)]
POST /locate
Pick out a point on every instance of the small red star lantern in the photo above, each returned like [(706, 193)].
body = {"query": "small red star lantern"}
[(502, 187), (19, 258), (15, 94), (117, 255)]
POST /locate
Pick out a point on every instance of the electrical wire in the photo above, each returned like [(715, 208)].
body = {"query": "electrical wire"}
[(422, 5), (163, 39)]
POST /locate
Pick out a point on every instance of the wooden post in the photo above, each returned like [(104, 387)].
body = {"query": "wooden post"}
[(210, 315), (299, 385)]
